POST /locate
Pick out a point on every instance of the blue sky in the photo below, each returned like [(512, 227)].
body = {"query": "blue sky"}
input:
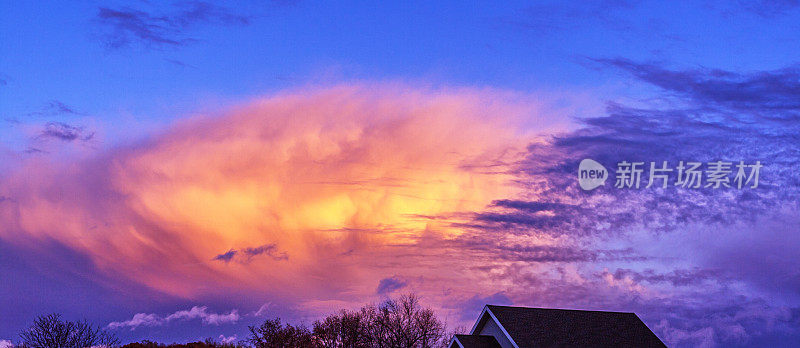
[(233, 157), (60, 50)]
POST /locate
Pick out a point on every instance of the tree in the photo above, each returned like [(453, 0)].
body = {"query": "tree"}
[(345, 330), (404, 323), (208, 343), (274, 334), (50, 331), (401, 323)]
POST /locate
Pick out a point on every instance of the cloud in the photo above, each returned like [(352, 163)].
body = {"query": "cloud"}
[(226, 257), (713, 115), (138, 320), (227, 339), (447, 188), (769, 95), (354, 173), (770, 9), (503, 243), (722, 236), (263, 310), (270, 250), (125, 26), (65, 132), (56, 108), (196, 312), (389, 285), (678, 277), (6, 344)]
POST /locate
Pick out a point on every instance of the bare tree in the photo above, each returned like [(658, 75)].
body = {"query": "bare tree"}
[(50, 331), (345, 330), (403, 323), (274, 334)]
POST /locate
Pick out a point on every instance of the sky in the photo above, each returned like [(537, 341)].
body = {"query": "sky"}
[(174, 171)]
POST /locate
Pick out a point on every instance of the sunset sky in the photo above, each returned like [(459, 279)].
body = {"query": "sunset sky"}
[(177, 171)]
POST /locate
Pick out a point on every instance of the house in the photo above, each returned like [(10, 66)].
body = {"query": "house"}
[(521, 327)]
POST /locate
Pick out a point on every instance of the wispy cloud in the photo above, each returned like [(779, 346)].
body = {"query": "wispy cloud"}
[(247, 254), (263, 310), (227, 339), (770, 9), (125, 26), (196, 312), (138, 320), (770, 95), (549, 17), (65, 132), (56, 108)]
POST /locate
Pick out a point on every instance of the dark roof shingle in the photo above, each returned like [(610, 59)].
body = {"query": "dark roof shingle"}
[(539, 327), (475, 341)]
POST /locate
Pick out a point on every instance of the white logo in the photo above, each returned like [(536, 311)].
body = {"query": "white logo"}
[(591, 174)]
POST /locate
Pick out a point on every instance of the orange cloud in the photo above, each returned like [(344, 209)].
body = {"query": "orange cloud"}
[(313, 176)]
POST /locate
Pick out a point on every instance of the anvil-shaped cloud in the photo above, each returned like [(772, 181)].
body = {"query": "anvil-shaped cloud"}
[(275, 194)]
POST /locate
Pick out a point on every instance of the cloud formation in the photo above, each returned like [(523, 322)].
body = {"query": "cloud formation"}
[(312, 197), (721, 236), (389, 285), (125, 26), (65, 132), (247, 254), (306, 176), (196, 312)]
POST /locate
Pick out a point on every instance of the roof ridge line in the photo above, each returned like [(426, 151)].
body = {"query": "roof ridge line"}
[(561, 309)]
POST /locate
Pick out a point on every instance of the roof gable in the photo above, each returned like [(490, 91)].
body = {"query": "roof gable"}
[(533, 327)]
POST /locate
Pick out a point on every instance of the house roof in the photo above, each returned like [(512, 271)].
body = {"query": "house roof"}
[(476, 341), (541, 327)]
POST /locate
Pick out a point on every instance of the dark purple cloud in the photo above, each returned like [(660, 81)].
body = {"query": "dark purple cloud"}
[(770, 95), (720, 116), (65, 132), (57, 107), (125, 25), (388, 285), (701, 266), (678, 277), (226, 257), (497, 246), (247, 254)]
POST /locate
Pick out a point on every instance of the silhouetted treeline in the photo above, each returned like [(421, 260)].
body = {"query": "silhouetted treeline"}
[(50, 331), (401, 323), (208, 343)]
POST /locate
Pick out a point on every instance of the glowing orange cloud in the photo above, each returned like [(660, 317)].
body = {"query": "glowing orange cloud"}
[(314, 176)]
